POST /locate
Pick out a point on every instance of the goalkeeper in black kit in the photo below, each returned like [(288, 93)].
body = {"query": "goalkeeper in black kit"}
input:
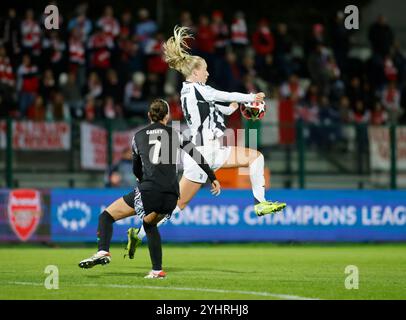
[(156, 155)]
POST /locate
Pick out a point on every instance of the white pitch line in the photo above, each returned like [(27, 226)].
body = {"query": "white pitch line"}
[(126, 286)]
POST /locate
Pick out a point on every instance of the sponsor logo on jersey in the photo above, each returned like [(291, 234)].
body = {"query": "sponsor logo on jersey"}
[(74, 215), (24, 212)]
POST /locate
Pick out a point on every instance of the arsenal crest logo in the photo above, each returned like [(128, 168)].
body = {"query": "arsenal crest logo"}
[(24, 212)]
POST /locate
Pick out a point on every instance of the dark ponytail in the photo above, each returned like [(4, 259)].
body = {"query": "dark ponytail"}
[(158, 110)]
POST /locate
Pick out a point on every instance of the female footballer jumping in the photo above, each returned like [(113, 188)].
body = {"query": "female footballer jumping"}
[(205, 118)]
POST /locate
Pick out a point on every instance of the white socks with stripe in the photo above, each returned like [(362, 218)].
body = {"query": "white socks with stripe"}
[(142, 233), (257, 178)]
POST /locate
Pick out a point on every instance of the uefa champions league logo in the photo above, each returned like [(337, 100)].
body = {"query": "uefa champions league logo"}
[(74, 215)]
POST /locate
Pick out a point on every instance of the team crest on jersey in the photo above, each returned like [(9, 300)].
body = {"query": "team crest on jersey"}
[(24, 212)]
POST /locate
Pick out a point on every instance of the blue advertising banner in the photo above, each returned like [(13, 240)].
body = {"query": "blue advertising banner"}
[(330, 216)]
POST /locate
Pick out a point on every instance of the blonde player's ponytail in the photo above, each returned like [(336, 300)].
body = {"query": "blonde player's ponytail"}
[(176, 55)]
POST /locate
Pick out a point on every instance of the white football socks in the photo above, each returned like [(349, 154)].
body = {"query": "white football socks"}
[(257, 178), (142, 233)]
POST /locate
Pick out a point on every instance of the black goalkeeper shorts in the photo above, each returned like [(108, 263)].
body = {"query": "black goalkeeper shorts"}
[(147, 201)]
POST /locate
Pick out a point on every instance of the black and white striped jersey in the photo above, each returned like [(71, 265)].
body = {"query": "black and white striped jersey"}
[(156, 155), (203, 110)]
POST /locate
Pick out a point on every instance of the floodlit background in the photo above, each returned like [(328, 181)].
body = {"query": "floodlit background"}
[(334, 141)]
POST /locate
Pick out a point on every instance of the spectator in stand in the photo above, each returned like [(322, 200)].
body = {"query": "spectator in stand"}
[(27, 84), (239, 34), (155, 57), (72, 95), (248, 66), (187, 21), (109, 24), (355, 90), (111, 110), (121, 174), (90, 110), (145, 28), (390, 70), (54, 53), (57, 109), (379, 116), (221, 42), (221, 33), (330, 133), (7, 82), (308, 112), (375, 72), (340, 41), (230, 77), (31, 35), (37, 111), (263, 42), (136, 59), (135, 102), (81, 23), (175, 106), (318, 68), (381, 36), (205, 40), (344, 110), (283, 48), (249, 85), (400, 62), (126, 24), (391, 102), (361, 116), (316, 39), (10, 33), (94, 88), (292, 89), (48, 86), (77, 56), (337, 85), (113, 87), (100, 46), (270, 72)]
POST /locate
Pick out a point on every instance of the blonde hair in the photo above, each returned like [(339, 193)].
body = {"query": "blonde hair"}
[(176, 55)]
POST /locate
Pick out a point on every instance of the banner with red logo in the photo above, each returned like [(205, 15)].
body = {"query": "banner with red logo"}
[(93, 147), (29, 135), (24, 215), (121, 141), (380, 151)]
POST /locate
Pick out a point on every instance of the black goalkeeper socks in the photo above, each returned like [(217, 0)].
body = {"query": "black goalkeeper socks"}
[(105, 231), (154, 245)]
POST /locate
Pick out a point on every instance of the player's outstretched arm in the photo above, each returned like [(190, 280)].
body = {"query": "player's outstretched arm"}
[(212, 94), (227, 110)]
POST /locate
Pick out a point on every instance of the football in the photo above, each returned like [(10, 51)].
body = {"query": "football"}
[(253, 110)]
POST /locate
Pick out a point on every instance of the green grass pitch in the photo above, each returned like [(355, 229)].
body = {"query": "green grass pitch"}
[(209, 271)]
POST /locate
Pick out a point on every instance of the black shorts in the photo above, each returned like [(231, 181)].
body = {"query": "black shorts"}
[(147, 201)]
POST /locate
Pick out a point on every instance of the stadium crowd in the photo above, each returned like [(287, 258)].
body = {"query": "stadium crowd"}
[(111, 67)]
